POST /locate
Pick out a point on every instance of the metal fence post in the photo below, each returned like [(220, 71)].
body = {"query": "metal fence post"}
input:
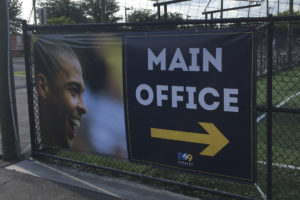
[(29, 87), (269, 107), (103, 12), (8, 117)]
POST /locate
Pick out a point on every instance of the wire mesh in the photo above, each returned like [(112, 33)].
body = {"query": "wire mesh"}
[(193, 9), (286, 86)]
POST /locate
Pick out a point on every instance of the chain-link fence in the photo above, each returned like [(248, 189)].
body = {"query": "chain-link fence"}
[(195, 9), (277, 123)]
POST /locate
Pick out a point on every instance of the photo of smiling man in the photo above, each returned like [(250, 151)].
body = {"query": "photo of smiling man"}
[(60, 87)]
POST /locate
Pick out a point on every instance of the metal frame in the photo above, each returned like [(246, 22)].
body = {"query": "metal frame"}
[(227, 9), (269, 109), (29, 84), (165, 4)]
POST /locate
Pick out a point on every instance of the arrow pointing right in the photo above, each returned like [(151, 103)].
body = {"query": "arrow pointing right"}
[(214, 138)]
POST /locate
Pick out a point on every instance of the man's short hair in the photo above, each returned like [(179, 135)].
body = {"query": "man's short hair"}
[(48, 54)]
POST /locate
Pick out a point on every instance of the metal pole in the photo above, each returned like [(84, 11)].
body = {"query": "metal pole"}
[(29, 87), (291, 9), (269, 109), (276, 46), (267, 7), (290, 30), (222, 4), (34, 12), (278, 1), (211, 17), (158, 13), (165, 12), (125, 15), (8, 117), (103, 11)]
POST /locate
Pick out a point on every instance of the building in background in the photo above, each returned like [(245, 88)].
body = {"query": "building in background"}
[(17, 44)]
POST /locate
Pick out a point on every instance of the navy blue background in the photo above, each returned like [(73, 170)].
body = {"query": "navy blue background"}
[(236, 160)]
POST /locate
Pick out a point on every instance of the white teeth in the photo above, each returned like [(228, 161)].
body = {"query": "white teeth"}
[(75, 122)]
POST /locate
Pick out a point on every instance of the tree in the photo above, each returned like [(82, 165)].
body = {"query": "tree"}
[(142, 15), (14, 9), (93, 10), (175, 17), (64, 8), (283, 25), (60, 20), (285, 34), (145, 15)]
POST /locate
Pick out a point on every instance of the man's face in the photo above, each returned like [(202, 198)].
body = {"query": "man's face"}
[(65, 102)]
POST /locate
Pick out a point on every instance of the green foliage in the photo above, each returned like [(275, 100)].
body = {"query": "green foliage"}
[(145, 15), (60, 20), (93, 10), (284, 26), (85, 11), (19, 73), (285, 84), (67, 8), (287, 13), (175, 17), (142, 15), (14, 10), (112, 8), (89, 11)]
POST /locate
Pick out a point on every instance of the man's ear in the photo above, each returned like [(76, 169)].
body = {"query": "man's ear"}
[(42, 86)]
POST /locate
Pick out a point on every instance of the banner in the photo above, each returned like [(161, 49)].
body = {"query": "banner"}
[(80, 92), (190, 99), (181, 100)]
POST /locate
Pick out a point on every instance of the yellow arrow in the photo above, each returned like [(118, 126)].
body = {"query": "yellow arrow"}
[(215, 139)]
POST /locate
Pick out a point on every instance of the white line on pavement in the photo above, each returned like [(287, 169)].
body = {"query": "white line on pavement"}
[(258, 119), (79, 180), (280, 165)]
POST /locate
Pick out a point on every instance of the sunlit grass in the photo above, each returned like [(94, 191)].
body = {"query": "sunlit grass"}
[(20, 73)]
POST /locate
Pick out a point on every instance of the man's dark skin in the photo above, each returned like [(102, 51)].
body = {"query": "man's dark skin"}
[(61, 102)]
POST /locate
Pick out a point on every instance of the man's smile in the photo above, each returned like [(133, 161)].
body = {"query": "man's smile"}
[(75, 123)]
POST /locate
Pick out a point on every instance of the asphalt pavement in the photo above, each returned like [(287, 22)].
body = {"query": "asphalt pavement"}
[(16, 185), (22, 108), (18, 64)]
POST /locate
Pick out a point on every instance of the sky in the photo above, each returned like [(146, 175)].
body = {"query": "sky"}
[(26, 8), (190, 9)]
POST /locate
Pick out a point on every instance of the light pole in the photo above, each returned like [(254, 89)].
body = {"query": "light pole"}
[(103, 19), (126, 17), (34, 12)]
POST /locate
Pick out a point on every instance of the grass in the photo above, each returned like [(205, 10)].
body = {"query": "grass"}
[(285, 133), (20, 73), (285, 126), (285, 146), (285, 84)]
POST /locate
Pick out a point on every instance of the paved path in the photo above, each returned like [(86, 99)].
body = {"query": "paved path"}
[(33, 179), (18, 64), (15, 186), (23, 117)]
